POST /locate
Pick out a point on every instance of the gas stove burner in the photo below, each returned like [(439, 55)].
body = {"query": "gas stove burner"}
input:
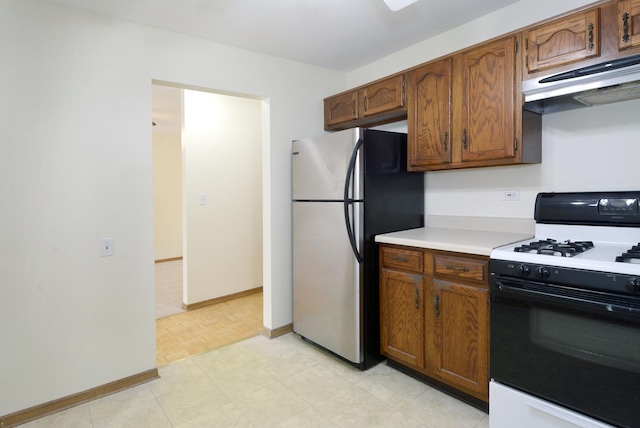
[(551, 247), (630, 256)]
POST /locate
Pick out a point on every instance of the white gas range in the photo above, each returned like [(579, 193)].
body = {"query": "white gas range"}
[(565, 316)]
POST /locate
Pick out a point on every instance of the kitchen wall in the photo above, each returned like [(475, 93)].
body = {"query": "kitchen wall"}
[(222, 159), (588, 149), (76, 166)]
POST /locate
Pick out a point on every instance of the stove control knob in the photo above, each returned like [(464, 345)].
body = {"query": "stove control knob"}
[(524, 270), (633, 285), (543, 272)]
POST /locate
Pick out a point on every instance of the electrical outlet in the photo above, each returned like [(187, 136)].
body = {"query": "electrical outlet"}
[(106, 247), (510, 195)]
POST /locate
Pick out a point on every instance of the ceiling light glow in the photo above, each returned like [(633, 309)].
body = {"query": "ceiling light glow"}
[(396, 5)]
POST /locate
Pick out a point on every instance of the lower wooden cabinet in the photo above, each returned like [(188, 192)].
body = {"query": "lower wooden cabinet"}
[(434, 315)]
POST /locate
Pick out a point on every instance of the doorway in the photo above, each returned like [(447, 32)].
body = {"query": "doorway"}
[(207, 193)]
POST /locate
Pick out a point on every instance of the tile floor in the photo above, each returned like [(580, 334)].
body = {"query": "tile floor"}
[(283, 382)]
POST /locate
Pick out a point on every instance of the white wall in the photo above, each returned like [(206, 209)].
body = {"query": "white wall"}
[(76, 166), (222, 140), (167, 193), (588, 149)]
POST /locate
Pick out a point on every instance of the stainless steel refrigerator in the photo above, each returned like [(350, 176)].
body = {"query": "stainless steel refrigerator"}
[(348, 186)]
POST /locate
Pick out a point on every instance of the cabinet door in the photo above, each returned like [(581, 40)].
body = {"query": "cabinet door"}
[(628, 23), (402, 317), (383, 96), (429, 115), (340, 108), (489, 90), (461, 315), (563, 41)]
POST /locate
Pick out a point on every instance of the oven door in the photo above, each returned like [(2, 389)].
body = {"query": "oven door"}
[(575, 348)]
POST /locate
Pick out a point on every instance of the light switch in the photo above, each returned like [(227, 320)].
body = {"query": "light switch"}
[(106, 247), (203, 199)]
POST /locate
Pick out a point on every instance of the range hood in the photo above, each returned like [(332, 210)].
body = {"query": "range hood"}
[(612, 81)]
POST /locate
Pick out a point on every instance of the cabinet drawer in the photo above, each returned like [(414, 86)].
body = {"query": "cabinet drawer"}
[(461, 267), (402, 259)]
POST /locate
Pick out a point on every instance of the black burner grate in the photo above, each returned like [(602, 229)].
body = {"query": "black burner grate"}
[(551, 247), (630, 256)]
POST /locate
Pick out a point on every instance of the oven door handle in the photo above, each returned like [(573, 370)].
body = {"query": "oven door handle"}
[(577, 299)]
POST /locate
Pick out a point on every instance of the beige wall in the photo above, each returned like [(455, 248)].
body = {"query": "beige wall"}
[(167, 193), (222, 159)]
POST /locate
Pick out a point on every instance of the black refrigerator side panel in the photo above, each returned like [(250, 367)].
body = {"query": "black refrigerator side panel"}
[(394, 200)]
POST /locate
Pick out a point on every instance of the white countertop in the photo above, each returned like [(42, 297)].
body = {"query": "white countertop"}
[(448, 239)]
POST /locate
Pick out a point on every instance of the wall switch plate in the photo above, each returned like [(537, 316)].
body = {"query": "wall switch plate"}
[(106, 247), (203, 199), (510, 195)]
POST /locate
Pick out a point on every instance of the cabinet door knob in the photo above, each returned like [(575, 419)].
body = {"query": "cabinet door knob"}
[(464, 138), (417, 297), (591, 45), (444, 140)]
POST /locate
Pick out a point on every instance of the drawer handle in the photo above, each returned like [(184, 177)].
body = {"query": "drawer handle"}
[(400, 259), (591, 45), (457, 269), (625, 26)]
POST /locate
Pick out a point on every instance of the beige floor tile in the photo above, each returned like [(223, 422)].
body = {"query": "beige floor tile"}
[(183, 374), (244, 380), (185, 404), (354, 407), (398, 420), (271, 405), (75, 417), (391, 386), (222, 360), (310, 418), (226, 416), (436, 409), (317, 384), (484, 423), (146, 414)]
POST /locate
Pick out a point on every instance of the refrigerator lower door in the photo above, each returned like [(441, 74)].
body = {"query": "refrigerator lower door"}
[(326, 279)]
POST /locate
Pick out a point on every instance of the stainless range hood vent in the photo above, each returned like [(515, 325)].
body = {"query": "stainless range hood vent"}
[(613, 94), (612, 81)]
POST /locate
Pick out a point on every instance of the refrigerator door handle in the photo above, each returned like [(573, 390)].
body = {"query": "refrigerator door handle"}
[(348, 201)]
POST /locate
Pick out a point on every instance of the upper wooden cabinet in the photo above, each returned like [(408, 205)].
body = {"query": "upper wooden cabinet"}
[(340, 108), (429, 115), (563, 41), (465, 111), (375, 103), (628, 24), (488, 102)]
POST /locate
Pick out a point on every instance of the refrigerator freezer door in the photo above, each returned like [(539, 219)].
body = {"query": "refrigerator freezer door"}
[(326, 278), (319, 166)]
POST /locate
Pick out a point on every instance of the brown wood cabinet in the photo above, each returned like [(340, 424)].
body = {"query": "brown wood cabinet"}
[(434, 315), (563, 41), (465, 111), (460, 319), (628, 24), (374, 103), (402, 306)]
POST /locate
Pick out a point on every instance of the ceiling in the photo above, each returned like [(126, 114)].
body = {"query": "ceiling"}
[(337, 34)]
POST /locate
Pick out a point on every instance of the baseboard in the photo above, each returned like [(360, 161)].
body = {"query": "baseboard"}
[(222, 299), (172, 259), (280, 331), (36, 412)]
